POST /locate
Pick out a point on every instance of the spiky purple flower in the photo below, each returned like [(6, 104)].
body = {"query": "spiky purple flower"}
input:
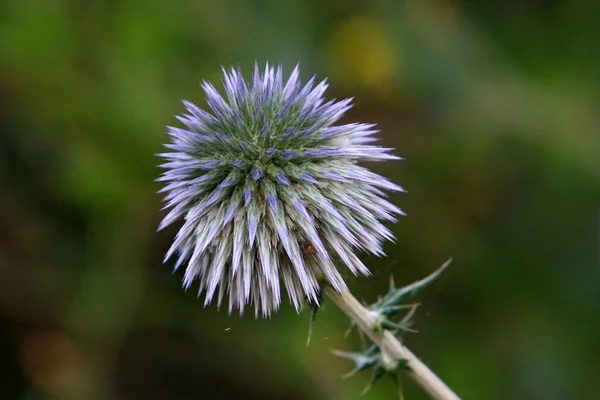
[(270, 191)]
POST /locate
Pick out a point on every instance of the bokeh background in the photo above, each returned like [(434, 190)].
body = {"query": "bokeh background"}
[(494, 105)]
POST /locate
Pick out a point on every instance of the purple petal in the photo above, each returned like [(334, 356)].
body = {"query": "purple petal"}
[(247, 196), (288, 132), (252, 227), (238, 163), (305, 176), (335, 176), (299, 206), (288, 154), (272, 201), (256, 174), (244, 145), (212, 164), (283, 179), (226, 182)]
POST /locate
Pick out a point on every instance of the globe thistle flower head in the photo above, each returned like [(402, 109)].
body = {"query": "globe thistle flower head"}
[(271, 193)]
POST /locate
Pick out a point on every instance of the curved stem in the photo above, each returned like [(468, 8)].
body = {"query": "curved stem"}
[(366, 321)]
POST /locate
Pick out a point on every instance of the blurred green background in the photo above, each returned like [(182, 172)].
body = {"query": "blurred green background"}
[(494, 105)]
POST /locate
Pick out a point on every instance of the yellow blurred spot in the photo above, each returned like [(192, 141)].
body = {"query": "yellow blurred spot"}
[(54, 362), (360, 53), (227, 328)]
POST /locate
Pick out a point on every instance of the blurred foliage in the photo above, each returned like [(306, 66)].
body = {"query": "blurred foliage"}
[(493, 104)]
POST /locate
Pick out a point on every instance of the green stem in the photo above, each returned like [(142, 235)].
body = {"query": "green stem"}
[(366, 321)]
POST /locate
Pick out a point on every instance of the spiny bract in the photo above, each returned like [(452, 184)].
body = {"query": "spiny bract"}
[(271, 192)]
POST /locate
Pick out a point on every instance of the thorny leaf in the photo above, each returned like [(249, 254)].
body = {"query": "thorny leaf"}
[(387, 308)]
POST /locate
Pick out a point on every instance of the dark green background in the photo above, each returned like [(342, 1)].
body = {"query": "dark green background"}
[(494, 105)]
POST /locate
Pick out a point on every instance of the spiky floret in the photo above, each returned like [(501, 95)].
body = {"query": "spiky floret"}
[(270, 191)]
